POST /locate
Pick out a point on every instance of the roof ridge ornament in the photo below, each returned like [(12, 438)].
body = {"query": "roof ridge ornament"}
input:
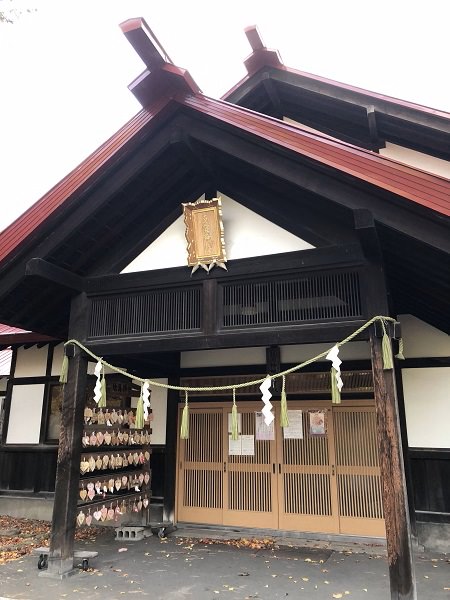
[(161, 78), (261, 55)]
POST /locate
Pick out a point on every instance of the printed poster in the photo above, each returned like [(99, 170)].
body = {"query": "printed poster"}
[(263, 431), (295, 429)]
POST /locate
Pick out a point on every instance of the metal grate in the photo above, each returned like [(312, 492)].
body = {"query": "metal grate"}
[(294, 300), (158, 311)]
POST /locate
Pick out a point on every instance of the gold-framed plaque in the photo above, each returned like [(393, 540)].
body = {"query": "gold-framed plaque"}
[(204, 234)]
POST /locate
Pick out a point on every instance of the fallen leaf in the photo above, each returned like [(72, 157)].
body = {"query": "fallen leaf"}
[(339, 595), (122, 550)]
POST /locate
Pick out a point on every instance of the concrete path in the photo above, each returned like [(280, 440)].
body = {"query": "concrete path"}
[(187, 569)]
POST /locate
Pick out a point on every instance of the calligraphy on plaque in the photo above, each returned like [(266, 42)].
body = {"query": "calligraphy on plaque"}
[(204, 234)]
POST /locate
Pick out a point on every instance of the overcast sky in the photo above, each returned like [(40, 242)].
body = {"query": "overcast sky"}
[(65, 68)]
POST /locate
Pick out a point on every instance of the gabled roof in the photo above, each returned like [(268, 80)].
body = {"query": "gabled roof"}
[(98, 218), (353, 114)]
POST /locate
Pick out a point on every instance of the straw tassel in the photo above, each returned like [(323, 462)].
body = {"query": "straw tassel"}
[(400, 354), (64, 369), (234, 419), (335, 392), (139, 421), (284, 419), (184, 432), (388, 361)]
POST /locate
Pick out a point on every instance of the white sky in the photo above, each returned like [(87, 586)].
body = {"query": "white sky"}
[(65, 69)]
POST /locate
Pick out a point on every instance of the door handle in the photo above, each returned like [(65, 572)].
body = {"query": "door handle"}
[(333, 470), (279, 468), (224, 467), (273, 468)]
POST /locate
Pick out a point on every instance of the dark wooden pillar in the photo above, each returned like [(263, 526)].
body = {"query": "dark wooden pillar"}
[(395, 501), (60, 562), (170, 463)]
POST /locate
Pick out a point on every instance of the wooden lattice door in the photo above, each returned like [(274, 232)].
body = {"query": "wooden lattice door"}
[(250, 483), (200, 474), (306, 482), (357, 471)]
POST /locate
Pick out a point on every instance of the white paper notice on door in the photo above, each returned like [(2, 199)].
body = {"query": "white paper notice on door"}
[(248, 445), (295, 429), (234, 446), (263, 431)]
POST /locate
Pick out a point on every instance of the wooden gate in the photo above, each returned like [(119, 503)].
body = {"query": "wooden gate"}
[(325, 483)]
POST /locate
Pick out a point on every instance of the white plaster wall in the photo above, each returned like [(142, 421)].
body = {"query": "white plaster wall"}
[(417, 159), (25, 415), (246, 234), (158, 402), (31, 362), (257, 356), (427, 406), (421, 339), (58, 354), (223, 357), (351, 351)]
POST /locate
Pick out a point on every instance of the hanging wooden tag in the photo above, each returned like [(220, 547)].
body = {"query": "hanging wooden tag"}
[(89, 519), (107, 438), (97, 515), (124, 480), (93, 439), (110, 514), (100, 438), (91, 463), (105, 461), (146, 478), (118, 484), (83, 493), (104, 513), (98, 463), (80, 518)]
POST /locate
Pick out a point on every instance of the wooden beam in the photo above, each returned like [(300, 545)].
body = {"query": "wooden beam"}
[(366, 229), (145, 43), (273, 96), (50, 272), (60, 561), (377, 143), (170, 463), (395, 501)]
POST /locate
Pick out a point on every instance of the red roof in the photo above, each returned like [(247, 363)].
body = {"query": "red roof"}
[(7, 330), (30, 220), (431, 191), (264, 57), (425, 189)]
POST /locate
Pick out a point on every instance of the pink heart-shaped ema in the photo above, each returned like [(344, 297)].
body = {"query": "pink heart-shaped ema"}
[(100, 438), (145, 502), (103, 513), (130, 459), (90, 486), (97, 515), (117, 484), (91, 494), (85, 440), (141, 478), (107, 438), (93, 439), (124, 480), (120, 436), (147, 478), (88, 520), (110, 515), (139, 505)]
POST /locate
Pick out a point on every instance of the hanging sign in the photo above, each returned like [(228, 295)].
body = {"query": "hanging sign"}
[(263, 431), (204, 234), (295, 429), (234, 446)]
